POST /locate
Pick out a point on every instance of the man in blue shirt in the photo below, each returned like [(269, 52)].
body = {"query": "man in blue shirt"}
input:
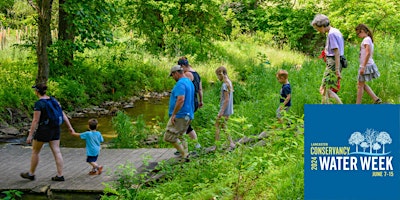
[(181, 110)]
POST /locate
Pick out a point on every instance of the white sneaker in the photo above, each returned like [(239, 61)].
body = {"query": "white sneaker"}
[(197, 146)]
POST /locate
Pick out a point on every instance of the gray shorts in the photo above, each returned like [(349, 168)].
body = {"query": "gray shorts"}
[(176, 131), (279, 111)]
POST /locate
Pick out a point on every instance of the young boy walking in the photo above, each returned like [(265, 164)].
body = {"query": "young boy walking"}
[(285, 100), (93, 139)]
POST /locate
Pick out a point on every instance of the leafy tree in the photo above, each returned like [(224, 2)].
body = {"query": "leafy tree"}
[(384, 138), (240, 14), (376, 147), (92, 21), (6, 5), (289, 23), (364, 145), (82, 25), (380, 15), (180, 26), (356, 138)]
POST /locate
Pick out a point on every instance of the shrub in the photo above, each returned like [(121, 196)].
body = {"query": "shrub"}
[(130, 134)]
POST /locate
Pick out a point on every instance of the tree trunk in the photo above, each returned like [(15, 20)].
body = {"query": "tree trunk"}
[(65, 36), (44, 39)]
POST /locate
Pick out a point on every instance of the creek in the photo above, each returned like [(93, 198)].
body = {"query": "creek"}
[(150, 110)]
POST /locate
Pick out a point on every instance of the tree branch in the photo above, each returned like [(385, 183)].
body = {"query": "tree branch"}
[(33, 6)]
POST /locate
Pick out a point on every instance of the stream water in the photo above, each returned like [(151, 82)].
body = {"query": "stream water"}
[(149, 109)]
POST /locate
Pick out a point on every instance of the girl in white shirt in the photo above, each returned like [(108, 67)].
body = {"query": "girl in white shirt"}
[(368, 69)]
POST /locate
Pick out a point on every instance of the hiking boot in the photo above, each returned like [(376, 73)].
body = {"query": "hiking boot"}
[(28, 176), (58, 178)]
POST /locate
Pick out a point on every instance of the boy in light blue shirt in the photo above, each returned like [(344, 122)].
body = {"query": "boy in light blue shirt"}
[(93, 139)]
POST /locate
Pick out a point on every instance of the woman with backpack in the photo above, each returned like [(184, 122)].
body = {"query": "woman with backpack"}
[(45, 127)]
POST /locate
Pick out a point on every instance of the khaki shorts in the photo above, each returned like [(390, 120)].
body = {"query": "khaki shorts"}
[(330, 79), (176, 131)]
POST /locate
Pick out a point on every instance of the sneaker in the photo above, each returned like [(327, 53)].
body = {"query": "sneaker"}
[(186, 159), (92, 172), (99, 170), (58, 178), (28, 176), (177, 153), (197, 146), (231, 148), (378, 101)]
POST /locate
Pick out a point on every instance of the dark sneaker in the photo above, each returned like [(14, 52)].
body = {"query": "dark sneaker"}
[(58, 178), (28, 176), (378, 101), (186, 159)]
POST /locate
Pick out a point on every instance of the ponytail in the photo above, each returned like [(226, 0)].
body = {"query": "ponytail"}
[(366, 30)]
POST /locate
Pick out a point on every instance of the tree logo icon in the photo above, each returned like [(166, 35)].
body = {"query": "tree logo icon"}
[(371, 142)]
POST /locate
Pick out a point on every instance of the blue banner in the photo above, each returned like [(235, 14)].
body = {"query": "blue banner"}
[(352, 152)]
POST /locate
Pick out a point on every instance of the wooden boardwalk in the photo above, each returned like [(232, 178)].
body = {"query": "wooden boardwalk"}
[(15, 159)]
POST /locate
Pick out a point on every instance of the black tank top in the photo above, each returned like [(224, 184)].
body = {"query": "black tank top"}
[(196, 83)]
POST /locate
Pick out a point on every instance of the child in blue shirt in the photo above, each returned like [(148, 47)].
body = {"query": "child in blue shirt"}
[(285, 100), (93, 139)]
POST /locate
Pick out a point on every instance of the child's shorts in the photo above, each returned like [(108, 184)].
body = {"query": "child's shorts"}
[(279, 111), (90, 159)]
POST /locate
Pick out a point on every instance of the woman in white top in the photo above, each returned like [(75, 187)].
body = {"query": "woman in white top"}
[(368, 69)]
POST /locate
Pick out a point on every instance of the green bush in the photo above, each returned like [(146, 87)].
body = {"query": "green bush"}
[(68, 92), (130, 134)]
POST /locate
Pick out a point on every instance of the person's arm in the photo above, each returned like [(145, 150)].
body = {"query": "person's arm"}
[(337, 62), (75, 134), (66, 120), (34, 125), (224, 104), (200, 95), (178, 105), (287, 99), (367, 56)]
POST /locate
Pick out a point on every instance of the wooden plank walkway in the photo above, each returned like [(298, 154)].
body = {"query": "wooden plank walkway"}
[(15, 159)]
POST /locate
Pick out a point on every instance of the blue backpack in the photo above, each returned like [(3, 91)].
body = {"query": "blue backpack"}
[(54, 113)]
